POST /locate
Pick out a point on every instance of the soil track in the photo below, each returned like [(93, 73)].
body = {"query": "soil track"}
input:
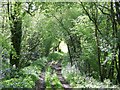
[(40, 84)]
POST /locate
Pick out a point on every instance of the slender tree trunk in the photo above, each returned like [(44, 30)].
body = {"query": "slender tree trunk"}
[(94, 20), (98, 51), (115, 36), (118, 75), (70, 55), (117, 6), (103, 66)]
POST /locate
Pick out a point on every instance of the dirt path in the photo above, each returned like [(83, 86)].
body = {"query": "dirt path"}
[(40, 84), (58, 68)]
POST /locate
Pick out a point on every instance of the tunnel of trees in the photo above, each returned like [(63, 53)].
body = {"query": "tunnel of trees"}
[(59, 45)]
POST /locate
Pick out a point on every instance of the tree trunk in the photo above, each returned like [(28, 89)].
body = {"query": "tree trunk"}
[(117, 5), (74, 49), (70, 56), (118, 76), (98, 52), (16, 33)]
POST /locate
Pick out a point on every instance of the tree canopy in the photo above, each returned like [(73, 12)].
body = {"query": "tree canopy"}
[(64, 44)]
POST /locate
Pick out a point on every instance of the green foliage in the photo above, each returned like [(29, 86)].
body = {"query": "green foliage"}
[(32, 71), (78, 80), (55, 56), (4, 42), (40, 62), (21, 82), (65, 59), (26, 77), (52, 79), (44, 25)]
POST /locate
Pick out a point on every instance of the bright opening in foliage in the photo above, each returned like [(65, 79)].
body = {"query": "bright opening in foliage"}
[(63, 47)]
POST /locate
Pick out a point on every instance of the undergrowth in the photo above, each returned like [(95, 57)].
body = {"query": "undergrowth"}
[(78, 80), (52, 80), (25, 77)]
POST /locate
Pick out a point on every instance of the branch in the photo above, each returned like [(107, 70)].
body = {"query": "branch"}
[(94, 21), (104, 7), (34, 46), (61, 24), (31, 13), (87, 12), (103, 11)]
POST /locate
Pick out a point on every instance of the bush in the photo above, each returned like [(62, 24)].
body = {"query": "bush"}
[(26, 82), (55, 56), (26, 77), (77, 80), (52, 79)]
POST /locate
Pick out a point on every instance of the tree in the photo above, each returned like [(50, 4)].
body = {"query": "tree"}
[(93, 16), (15, 18)]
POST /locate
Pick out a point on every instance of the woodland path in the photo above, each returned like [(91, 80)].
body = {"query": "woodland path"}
[(40, 84)]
